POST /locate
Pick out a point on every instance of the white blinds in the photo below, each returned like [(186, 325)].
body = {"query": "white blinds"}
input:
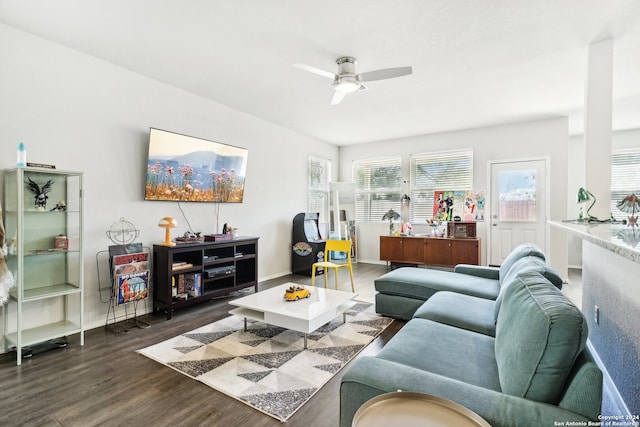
[(625, 178), (446, 170), (319, 176), (378, 185)]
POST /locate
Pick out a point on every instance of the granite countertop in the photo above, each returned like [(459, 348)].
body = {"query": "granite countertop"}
[(620, 239)]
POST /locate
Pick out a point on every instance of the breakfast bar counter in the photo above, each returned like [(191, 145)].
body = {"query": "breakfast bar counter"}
[(620, 239), (611, 303)]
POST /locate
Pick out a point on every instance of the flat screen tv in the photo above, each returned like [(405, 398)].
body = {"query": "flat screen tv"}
[(188, 169)]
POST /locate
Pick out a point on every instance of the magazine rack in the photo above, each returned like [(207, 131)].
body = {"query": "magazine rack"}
[(129, 284), (128, 275)]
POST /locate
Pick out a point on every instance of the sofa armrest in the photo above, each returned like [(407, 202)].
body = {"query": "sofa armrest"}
[(368, 377), (478, 270)]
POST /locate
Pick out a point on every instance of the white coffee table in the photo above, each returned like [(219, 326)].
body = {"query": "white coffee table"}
[(305, 315)]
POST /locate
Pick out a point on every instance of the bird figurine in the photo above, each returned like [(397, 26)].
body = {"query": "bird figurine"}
[(60, 206), (40, 194)]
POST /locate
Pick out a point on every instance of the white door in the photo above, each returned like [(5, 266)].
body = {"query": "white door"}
[(518, 206)]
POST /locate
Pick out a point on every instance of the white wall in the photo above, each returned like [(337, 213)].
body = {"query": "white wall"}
[(81, 113), (545, 138), (626, 139)]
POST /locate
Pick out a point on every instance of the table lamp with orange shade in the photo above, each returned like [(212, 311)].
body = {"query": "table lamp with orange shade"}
[(167, 223)]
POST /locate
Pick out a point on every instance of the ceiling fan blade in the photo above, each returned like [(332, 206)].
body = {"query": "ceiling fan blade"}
[(387, 73), (315, 70), (337, 97)]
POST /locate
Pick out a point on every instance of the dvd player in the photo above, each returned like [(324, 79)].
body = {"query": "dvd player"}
[(220, 271)]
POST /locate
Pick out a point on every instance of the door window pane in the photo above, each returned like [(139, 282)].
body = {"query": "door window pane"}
[(518, 195)]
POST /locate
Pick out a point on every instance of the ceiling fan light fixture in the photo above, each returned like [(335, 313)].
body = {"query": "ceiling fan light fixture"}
[(348, 80), (347, 85)]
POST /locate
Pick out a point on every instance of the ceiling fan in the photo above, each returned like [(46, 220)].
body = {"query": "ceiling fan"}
[(347, 80)]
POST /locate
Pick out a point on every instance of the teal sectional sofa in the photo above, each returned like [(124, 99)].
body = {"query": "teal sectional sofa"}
[(518, 359), (480, 314), (402, 291)]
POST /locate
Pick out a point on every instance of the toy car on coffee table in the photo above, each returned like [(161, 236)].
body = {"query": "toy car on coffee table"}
[(295, 292)]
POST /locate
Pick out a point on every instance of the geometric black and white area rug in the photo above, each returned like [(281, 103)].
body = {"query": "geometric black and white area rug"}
[(267, 367)]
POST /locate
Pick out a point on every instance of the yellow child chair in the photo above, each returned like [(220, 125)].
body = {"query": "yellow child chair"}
[(337, 246)]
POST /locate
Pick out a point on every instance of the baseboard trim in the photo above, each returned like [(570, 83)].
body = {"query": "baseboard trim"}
[(610, 394), (274, 276), (372, 261)]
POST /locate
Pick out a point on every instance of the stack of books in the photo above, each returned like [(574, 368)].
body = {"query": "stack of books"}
[(181, 265)]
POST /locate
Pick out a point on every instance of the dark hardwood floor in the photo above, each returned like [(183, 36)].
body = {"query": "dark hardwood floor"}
[(106, 383)]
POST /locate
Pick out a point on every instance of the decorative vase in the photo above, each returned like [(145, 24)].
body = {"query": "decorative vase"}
[(434, 231)]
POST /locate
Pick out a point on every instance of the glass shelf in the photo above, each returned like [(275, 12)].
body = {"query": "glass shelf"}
[(44, 333), (31, 294), (49, 252)]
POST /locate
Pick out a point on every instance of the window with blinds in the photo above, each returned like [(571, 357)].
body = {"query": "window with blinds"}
[(319, 176), (625, 178), (378, 186), (446, 170)]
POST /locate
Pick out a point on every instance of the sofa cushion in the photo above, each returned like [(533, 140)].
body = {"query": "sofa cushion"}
[(444, 350), (520, 251), (459, 310), (539, 335), (526, 264), (583, 393), (421, 283), (478, 270), (397, 306)]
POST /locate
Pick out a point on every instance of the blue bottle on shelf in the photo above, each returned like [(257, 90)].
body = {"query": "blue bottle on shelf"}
[(22, 155)]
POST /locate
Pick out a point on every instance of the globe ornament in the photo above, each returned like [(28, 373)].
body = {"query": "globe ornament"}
[(122, 232)]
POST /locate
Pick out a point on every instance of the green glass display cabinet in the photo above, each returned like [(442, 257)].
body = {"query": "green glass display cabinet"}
[(43, 233)]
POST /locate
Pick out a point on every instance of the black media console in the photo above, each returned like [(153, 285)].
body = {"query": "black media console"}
[(187, 274)]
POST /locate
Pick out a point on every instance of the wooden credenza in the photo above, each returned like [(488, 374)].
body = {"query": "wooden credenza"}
[(436, 251)]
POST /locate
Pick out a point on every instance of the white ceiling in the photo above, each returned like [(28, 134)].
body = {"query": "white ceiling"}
[(475, 62)]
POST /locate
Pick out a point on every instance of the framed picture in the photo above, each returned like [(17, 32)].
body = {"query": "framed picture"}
[(461, 205)]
